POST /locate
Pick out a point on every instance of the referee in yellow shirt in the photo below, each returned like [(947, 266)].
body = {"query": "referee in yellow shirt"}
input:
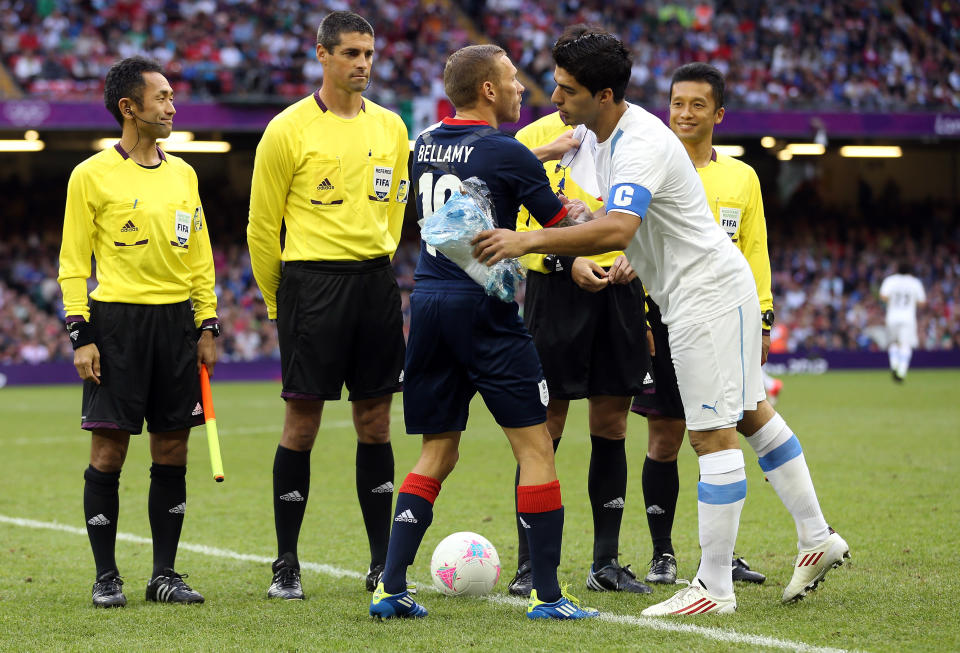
[(332, 169), (584, 330), (733, 193), (150, 324)]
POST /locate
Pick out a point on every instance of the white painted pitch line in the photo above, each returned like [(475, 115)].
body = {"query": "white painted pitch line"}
[(663, 625)]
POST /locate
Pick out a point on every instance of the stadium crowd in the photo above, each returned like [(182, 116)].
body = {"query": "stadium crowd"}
[(825, 281), (862, 55), (217, 49)]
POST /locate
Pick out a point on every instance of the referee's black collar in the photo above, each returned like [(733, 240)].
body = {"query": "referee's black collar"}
[(123, 152), (323, 106)]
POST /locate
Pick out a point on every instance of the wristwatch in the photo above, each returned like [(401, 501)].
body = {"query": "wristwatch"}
[(213, 327), (767, 318)]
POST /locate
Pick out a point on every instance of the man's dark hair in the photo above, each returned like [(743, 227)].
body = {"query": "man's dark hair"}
[(125, 79), (340, 22), (701, 72), (595, 58), (904, 267), (466, 71)]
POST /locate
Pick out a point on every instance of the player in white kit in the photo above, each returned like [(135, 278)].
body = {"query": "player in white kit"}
[(902, 292), (656, 210)]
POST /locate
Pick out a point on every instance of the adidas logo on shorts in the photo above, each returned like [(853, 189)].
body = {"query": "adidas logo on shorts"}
[(386, 488), (655, 510), (99, 520), (178, 509), (292, 496), (616, 504), (197, 410), (523, 523), (406, 516), (647, 380)]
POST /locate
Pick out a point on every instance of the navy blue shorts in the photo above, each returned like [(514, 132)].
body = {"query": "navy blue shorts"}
[(462, 341)]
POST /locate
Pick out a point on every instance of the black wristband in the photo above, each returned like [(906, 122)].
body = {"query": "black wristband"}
[(81, 334)]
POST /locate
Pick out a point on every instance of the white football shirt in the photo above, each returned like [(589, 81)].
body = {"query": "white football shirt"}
[(683, 257), (902, 292)]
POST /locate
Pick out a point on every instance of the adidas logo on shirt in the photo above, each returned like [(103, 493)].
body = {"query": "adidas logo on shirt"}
[(197, 410), (99, 520), (178, 509), (655, 510), (129, 227), (325, 185), (292, 496), (386, 488), (647, 379), (407, 516), (616, 504)]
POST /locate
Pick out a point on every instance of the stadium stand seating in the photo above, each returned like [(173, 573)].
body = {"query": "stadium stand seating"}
[(863, 55)]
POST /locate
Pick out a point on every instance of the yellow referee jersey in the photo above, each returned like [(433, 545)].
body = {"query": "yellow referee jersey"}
[(144, 227), (538, 133), (339, 186), (733, 193)]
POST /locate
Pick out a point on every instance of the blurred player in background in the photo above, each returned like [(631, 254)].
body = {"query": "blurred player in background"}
[(585, 331), (902, 292), (463, 341), (656, 210), (733, 194), (150, 323), (332, 169)]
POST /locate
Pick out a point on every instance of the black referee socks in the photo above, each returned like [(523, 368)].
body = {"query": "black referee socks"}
[(166, 506), (607, 487), (291, 486), (375, 492), (661, 485), (101, 506)]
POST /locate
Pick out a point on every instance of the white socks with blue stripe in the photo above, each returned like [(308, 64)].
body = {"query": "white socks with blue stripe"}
[(781, 459), (720, 496)]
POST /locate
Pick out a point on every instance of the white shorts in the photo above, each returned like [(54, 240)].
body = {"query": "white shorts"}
[(903, 333), (718, 367)]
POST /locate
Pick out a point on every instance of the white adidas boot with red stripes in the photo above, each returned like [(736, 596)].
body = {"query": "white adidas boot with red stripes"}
[(813, 564), (692, 600)]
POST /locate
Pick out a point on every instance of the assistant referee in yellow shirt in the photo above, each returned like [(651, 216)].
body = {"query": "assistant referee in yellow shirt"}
[(332, 168), (150, 324)]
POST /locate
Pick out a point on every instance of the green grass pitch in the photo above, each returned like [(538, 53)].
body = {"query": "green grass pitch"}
[(884, 459)]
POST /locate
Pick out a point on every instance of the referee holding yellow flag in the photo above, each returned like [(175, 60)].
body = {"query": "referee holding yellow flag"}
[(332, 168), (150, 323)]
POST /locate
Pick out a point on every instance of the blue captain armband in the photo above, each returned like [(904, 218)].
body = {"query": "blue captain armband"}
[(630, 198)]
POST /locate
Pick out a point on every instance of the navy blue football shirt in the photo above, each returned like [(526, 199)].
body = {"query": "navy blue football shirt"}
[(454, 150)]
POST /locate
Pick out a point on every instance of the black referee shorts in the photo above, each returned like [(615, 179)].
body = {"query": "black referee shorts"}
[(590, 344), (340, 322), (665, 401), (148, 369)]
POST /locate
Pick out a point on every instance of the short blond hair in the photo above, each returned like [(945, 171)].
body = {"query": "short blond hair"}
[(467, 69)]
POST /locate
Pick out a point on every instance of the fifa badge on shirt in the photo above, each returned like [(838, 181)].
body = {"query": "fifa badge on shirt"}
[(382, 178), (182, 229), (730, 219), (402, 189)]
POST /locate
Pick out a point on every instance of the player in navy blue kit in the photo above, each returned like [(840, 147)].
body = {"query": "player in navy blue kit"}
[(463, 341)]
